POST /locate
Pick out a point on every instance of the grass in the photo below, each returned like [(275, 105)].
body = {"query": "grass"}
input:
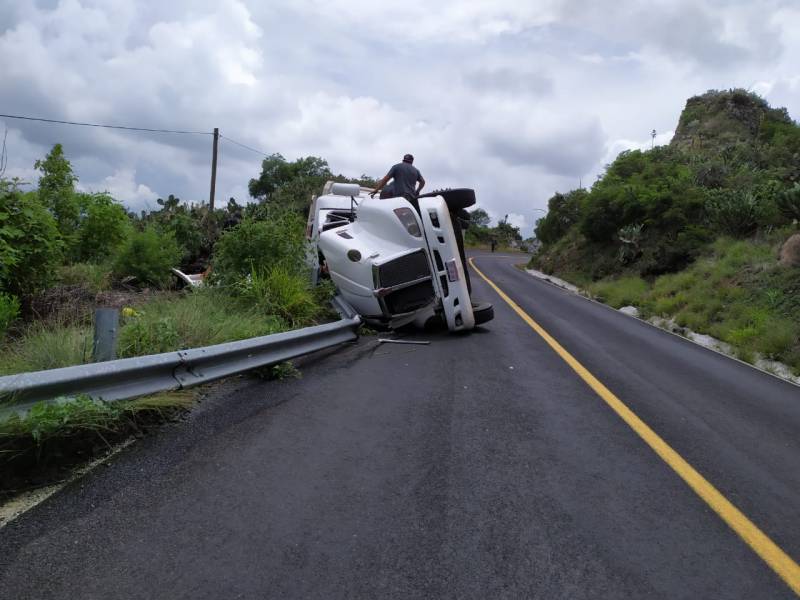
[(737, 292), (164, 324), (620, 292), (284, 370), (43, 445), (199, 318), (172, 322), (94, 277), (282, 291), (43, 346)]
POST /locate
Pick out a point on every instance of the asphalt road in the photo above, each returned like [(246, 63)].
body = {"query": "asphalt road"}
[(479, 466)]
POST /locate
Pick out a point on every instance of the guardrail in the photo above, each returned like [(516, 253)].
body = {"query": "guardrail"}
[(130, 377)]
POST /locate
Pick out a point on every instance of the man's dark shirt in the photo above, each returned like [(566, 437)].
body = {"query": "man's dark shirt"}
[(405, 178)]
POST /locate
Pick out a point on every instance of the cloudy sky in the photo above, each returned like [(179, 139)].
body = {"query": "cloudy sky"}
[(515, 99)]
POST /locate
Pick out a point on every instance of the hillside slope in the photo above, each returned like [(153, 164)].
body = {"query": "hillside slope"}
[(693, 230)]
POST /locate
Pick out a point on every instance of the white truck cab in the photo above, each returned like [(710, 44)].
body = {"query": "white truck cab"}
[(393, 263)]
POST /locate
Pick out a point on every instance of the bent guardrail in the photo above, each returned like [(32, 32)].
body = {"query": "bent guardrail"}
[(130, 377)]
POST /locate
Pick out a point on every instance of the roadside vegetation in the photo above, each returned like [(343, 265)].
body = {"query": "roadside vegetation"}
[(703, 231), (480, 234), (64, 253), (44, 445), (735, 292)]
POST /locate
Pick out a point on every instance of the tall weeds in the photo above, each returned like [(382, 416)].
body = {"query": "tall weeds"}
[(282, 291)]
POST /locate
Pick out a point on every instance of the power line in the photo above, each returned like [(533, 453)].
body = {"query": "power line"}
[(244, 146), (107, 126), (126, 128)]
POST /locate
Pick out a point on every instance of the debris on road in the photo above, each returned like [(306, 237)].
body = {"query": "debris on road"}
[(390, 341)]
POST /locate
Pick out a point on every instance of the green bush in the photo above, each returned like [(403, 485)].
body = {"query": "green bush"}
[(194, 227), (734, 212), (282, 291), (149, 336), (148, 256), (104, 226), (789, 202), (601, 218), (259, 246), (189, 233), (57, 192), (563, 211), (9, 312), (30, 246)]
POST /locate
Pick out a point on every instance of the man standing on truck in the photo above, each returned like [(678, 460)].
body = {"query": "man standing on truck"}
[(408, 181)]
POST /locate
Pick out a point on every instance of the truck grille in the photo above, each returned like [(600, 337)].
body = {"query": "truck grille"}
[(409, 299), (404, 269)]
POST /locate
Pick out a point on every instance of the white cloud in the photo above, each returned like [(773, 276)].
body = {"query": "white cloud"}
[(614, 147), (517, 220), (443, 21), (517, 100), (122, 185)]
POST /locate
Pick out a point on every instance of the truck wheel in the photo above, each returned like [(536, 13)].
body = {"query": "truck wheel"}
[(483, 312), (456, 199)]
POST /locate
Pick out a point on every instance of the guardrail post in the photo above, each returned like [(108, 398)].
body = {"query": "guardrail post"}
[(106, 327)]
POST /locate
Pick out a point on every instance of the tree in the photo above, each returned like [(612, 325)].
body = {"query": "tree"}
[(148, 256), (30, 247), (57, 192), (505, 232), (104, 226), (563, 211), (233, 206), (259, 245), (277, 172), (170, 204), (479, 218), (193, 227)]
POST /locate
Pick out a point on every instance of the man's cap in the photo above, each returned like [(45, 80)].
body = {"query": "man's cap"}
[(408, 158)]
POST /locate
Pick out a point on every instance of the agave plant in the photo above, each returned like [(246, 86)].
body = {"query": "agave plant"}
[(789, 203), (631, 237)]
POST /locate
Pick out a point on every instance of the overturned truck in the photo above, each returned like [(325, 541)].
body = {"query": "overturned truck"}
[(396, 261)]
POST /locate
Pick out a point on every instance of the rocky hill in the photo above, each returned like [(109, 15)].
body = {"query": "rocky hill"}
[(719, 119)]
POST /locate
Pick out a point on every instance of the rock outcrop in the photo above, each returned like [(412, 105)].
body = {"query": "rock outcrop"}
[(719, 119), (790, 252)]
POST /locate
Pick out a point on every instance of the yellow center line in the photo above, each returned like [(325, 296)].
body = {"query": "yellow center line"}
[(780, 562)]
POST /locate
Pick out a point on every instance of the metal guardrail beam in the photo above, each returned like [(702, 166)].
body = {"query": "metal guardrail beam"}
[(130, 377)]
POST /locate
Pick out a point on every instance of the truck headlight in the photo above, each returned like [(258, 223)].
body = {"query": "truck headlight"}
[(409, 221), (452, 269)]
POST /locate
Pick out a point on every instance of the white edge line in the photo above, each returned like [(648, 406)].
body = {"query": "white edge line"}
[(17, 506)]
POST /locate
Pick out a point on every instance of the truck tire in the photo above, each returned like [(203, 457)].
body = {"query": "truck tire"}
[(483, 312), (456, 199)]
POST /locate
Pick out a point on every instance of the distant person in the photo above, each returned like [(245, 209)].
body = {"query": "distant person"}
[(493, 242), (407, 181)]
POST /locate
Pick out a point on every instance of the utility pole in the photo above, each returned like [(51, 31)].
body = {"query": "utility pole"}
[(213, 170), (653, 140)]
